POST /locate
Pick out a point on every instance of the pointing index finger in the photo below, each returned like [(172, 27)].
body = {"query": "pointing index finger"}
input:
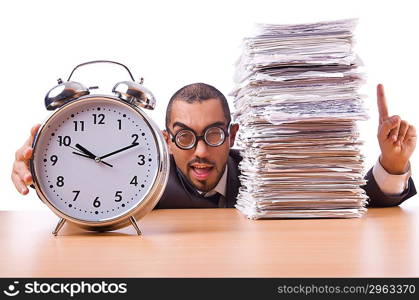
[(382, 103)]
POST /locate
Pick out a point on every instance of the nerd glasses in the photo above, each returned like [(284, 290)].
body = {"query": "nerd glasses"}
[(187, 139)]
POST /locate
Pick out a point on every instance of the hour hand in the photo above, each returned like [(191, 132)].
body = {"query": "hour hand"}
[(90, 154), (87, 156), (84, 150)]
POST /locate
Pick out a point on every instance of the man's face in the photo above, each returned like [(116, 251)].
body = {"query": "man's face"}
[(202, 165)]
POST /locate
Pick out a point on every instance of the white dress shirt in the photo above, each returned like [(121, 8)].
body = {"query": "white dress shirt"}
[(220, 188), (388, 183)]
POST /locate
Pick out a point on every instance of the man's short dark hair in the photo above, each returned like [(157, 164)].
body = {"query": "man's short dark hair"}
[(198, 92)]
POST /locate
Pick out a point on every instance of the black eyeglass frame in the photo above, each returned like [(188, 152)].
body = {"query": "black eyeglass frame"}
[(199, 137)]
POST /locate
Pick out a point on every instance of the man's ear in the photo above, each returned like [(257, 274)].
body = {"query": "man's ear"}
[(167, 139), (233, 131)]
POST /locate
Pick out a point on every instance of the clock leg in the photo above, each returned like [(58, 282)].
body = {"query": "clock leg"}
[(59, 226), (134, 224)]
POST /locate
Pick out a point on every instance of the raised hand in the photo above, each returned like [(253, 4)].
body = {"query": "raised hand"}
[(397, 138)]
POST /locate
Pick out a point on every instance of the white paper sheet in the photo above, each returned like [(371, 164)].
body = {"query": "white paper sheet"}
[(297, 104)]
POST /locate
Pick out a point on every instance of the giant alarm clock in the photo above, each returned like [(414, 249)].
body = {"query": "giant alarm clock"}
[(99, 161)]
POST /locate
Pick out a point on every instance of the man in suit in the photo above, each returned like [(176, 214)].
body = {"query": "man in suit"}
[(204, 169)]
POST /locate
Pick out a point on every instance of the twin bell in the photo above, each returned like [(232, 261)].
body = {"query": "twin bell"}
[(130, 91)]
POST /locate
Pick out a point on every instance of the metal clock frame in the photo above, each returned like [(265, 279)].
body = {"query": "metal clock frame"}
[(128, 93)]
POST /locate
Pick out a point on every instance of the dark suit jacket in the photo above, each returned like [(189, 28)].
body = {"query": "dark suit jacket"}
[(180, 193)]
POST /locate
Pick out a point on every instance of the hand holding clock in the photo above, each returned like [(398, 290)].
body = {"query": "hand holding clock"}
[(21, 175), (95, 127)]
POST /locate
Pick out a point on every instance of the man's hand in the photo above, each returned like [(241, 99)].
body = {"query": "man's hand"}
[(21, 175), (396, 137)]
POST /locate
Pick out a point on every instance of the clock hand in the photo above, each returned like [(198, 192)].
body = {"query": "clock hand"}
[(81, 154), (74, 148), (120, 150), (85, 151), (91, 155)]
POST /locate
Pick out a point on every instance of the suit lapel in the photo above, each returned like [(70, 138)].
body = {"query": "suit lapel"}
[(233, 182)]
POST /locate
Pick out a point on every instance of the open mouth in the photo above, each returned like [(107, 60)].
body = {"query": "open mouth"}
[(201, 171)]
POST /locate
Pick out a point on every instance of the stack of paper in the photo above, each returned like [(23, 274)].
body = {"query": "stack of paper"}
[(297, 104)]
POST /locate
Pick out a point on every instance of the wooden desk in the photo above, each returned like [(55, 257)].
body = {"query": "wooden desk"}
[(214, 243)]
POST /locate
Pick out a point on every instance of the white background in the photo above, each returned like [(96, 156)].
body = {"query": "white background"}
[(175, 43)]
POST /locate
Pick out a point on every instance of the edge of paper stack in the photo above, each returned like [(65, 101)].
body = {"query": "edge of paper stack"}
[(297, 104)]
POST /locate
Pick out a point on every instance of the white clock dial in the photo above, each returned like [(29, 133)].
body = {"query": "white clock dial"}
[(109, 184)]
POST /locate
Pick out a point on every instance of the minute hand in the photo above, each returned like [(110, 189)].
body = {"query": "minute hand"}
[(120, 150)]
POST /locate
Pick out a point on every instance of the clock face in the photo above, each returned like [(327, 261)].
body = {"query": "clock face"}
[(96, 159)]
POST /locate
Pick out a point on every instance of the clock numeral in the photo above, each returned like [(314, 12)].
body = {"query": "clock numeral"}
[(66, 140), (119, 124), (135, 136), (142, 159), (60, 181), (96, 203), (77, 194), (134, 181), (98, 119), (76, 127), (54, 159), (118, 196)]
